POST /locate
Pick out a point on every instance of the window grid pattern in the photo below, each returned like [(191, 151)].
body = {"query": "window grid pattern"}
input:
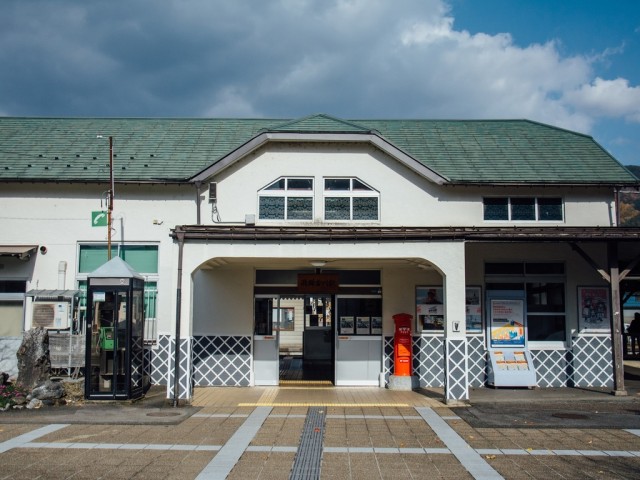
[(350, 199), (286, 199), (528, 209)]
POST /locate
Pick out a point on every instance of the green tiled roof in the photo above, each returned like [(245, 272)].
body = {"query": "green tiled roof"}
[(174, 150), (319, 123)]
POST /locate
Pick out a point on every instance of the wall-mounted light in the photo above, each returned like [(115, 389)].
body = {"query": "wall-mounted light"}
[(318, 263)]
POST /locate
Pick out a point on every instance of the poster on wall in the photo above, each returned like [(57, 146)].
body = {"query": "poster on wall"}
[(507, 323), (473, 309), (593, 308), (363, 325), (347, 326), (376, 325), (429, 308)]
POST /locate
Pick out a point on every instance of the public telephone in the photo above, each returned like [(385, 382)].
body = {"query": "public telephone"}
[(106, 339)]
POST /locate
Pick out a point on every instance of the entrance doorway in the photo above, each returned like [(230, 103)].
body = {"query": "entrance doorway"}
[(294, 338)]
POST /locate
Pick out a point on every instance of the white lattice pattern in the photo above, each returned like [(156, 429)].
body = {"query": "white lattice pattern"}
[(184, 369), (158, 360), (592, 361), (428, 361), (476, 361), (457, 386), (222, 361), (551, 367)]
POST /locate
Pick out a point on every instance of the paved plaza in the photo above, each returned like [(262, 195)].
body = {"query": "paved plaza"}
[(319, 431)]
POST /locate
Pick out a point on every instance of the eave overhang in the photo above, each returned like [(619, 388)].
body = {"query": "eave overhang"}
[(409, 234)]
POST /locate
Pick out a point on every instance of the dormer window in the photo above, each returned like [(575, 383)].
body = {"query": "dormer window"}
[(286, 199), (350, 199)]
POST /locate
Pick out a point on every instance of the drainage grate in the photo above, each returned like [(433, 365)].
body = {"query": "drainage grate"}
[(570, 416), (309, 457), (163, 414)]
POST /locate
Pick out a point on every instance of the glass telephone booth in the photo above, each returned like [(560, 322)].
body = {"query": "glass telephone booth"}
[(115, 333)]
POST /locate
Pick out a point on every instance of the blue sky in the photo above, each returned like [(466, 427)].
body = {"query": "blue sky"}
[(573, 64)]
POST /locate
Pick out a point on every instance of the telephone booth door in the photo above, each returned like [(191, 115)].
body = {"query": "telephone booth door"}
[(115, 333), (107, 370)]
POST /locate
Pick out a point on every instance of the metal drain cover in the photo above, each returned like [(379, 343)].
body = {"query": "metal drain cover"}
[(570, 416), (163, 414)]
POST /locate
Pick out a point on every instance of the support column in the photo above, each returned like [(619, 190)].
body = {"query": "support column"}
[(456, 365), (616, 324)]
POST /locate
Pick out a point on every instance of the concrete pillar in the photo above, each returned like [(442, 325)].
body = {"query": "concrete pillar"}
[(456, 368)]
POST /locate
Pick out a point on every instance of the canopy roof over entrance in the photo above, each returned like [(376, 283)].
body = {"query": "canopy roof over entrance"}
[(510, 234)]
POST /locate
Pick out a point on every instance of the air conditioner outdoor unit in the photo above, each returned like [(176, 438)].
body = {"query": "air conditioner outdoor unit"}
[(51, 315)]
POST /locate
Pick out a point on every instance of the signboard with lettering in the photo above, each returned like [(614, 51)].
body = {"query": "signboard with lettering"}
[(318, 283)]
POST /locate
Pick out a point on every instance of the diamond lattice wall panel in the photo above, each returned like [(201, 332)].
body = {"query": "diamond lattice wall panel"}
[(476, 361), (457, 387), (387, 361), (222, 361), (553, 368), (592, 361), (157, 361), (184, 370), (428, 360)]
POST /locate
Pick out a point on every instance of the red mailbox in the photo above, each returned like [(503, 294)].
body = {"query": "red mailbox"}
[(402, 345)]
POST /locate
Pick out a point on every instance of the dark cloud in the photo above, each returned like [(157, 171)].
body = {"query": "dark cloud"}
[(287, 58)]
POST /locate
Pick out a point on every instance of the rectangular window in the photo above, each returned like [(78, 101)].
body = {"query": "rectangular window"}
[(523, 209), (496, 209), (299, 208), (271, 208), (550, 209), (143, 258), (365, 208), (337, 208)]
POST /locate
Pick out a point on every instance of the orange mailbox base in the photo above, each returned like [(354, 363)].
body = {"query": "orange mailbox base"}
[(403, 382)]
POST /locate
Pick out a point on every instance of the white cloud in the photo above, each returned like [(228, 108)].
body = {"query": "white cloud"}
[(607, 98), (229, 102), (287, 58)]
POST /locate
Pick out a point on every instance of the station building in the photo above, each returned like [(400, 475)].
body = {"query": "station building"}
[(263, 241)]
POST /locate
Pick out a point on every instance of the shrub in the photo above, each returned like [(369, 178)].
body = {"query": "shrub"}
[(9, 393)]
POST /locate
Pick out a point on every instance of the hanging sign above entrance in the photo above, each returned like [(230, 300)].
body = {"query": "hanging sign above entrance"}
[(318, 283)]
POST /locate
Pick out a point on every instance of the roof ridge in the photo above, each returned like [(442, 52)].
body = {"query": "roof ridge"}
[(317, 119)]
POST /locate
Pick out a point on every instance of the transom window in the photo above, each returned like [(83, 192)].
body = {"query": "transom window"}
[(286, 199), (350, 199), (523, 208)]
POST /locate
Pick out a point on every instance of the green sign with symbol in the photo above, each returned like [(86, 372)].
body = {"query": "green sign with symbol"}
[(99, 219)]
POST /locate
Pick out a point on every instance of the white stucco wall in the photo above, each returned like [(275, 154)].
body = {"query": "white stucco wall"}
[(58, 216), (406, 199), (223, 301)]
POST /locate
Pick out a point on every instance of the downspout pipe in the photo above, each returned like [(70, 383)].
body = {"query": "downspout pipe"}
[(176, 358), (616, 198), (198, 217)]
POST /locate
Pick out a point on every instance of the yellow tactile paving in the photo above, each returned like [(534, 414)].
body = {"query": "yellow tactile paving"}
[(308, 395)]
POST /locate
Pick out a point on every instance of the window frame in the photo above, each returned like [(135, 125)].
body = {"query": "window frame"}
[(287, 193), (540, 276), (352, 194), (151, 323), (536, 204)]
